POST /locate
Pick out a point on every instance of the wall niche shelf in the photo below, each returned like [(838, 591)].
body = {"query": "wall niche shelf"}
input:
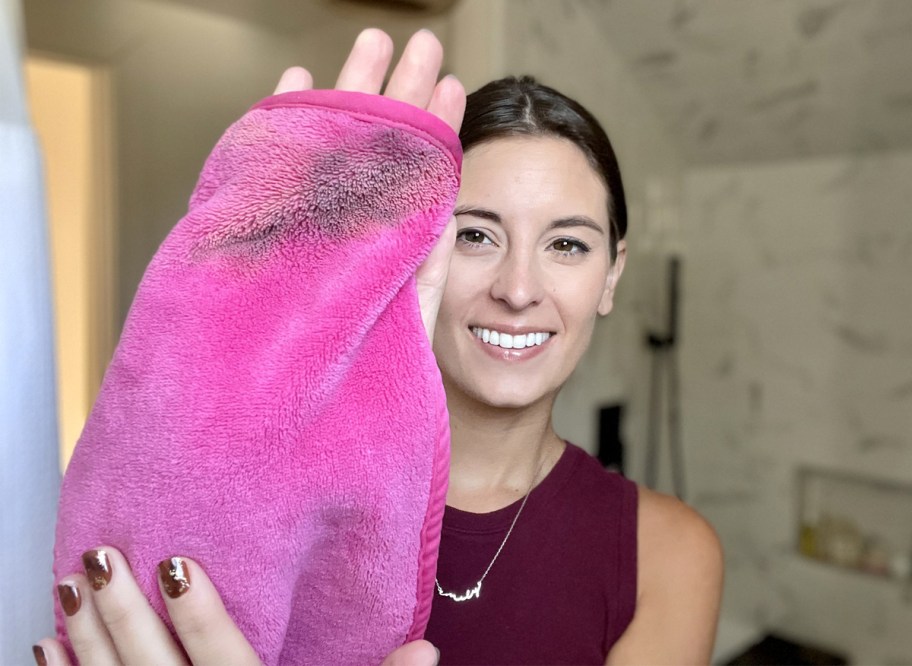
[(855, 523)]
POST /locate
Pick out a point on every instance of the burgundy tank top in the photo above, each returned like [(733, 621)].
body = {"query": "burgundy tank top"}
[(564, 587)]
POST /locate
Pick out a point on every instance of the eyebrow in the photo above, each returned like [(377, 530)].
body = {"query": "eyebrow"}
[(560, 223)]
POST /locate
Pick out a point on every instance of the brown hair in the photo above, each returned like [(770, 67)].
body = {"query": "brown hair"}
[(517, 106)]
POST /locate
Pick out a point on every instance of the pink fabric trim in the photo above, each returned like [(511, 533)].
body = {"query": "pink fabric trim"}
[(374, 107), (433, 525)]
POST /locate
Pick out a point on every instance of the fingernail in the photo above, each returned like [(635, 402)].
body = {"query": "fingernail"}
[(68, 594), (40, 658), (175, 576), (97, 568), (436, 649)]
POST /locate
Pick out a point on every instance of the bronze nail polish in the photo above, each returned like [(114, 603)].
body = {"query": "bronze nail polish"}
[(40, 657), (175, 576), (68, 594), (97, 568)]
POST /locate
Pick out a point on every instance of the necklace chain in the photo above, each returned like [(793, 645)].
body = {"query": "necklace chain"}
[(475, 592)]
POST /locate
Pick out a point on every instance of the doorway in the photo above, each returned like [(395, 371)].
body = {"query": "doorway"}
[(71, 111)]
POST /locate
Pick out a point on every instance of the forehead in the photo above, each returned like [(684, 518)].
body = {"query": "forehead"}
[(533, 171)]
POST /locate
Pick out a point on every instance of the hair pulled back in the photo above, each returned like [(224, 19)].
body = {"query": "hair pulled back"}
[(522, 106)]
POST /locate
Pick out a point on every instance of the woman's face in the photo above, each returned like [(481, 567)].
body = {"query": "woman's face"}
[(531, 270)]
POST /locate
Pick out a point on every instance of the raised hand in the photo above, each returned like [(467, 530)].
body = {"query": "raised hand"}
[(414, 81), (109, 621)]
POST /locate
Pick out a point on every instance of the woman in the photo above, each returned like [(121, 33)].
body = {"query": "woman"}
[(537, 254)]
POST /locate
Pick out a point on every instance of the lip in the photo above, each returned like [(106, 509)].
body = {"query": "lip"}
[(512, 330), (511, 355)]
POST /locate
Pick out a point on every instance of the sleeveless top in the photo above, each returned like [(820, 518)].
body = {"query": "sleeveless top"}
[(564, 587)]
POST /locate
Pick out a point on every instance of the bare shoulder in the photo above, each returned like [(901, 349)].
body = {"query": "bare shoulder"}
[(673, 537), (679, 586)]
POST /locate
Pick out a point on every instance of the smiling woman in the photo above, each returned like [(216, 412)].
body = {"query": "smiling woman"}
[(561, 561), (544, 556)]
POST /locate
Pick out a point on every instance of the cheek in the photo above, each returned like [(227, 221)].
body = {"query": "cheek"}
[(580, 299)]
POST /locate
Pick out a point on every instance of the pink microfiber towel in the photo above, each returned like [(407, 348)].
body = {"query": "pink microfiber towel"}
[(273, 409)]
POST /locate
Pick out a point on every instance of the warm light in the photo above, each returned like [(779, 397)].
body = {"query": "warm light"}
[(59, 96)]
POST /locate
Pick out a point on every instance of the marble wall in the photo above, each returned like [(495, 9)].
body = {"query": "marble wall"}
[(797, 351)]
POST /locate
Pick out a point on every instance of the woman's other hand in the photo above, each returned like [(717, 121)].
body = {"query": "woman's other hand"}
[(414, 81), (109, 621)]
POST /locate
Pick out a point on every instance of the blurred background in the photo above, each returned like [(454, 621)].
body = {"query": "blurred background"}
[(766, 147)]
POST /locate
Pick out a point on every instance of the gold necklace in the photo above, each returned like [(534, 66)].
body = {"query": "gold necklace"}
[(475, 592)]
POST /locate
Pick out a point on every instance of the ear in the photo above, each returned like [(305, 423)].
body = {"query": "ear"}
[(614, 274)]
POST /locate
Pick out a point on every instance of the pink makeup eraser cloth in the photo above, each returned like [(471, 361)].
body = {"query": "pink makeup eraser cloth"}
[(273, 409)]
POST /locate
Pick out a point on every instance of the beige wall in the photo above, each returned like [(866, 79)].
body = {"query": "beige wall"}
[(60, 102), (179, 77)]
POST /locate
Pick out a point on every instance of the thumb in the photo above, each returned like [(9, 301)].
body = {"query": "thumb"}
[(416, 653), (431, 277)]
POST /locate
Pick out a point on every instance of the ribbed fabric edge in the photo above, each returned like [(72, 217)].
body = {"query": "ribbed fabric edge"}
[(433, 523)]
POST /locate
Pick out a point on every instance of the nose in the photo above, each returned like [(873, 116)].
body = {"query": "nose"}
[(519, 282)]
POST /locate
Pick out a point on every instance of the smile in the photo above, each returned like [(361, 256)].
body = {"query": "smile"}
[(507, 341)]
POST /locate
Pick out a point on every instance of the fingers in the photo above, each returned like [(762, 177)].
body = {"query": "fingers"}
[(204, 627), (49, 652), (415, 76), (88, 635), (294, 79), (367, 63), (116, 608), (414, 80), (449, 101)]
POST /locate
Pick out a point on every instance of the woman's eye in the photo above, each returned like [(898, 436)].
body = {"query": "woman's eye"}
[(569, 246), (473, 237)]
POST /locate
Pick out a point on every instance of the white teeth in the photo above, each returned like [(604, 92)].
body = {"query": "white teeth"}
[(507, 341)]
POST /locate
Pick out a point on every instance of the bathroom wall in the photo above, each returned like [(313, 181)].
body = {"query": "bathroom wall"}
[(797, 350)]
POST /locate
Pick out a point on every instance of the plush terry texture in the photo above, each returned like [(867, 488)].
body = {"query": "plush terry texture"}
[(273, 409)]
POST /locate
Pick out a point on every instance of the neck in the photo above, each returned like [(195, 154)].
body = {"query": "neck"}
[(498, 453)]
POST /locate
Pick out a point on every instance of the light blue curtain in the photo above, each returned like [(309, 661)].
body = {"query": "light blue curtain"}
[(29, 467)]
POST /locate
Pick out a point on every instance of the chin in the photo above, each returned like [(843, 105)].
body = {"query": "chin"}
[(507, 397)]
